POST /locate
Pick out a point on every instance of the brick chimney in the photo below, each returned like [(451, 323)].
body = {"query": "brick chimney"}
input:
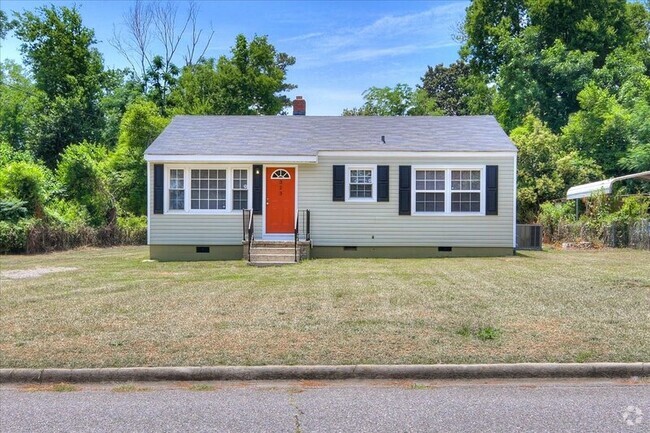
[(299, 106)]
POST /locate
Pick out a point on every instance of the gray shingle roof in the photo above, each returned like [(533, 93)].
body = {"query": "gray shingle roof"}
[(307, 135)]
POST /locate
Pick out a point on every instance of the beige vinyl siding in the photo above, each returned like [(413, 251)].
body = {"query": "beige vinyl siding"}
[(355, 223)]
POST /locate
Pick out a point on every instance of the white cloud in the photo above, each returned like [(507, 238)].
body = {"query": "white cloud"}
[(387, 36)]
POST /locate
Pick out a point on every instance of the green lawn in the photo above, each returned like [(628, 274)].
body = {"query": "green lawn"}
[(115, 310)]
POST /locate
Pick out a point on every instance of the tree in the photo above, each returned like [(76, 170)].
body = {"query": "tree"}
[(5, 25), (542, 53), (384, 101), (198, 90), (160, 80), (251, 81), (254, 78), (25, 181), (82, 176), (68, 69), (600, 130), (544, 169), (19, 104), (454, 89), (140, 126), (119, 90), (159, 21)]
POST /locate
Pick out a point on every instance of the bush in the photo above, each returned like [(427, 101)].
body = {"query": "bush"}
[(633, 208), (133, 229), (81, 175), (12, 209), (24, 181), (552, 215), (8, 155), (68, 214), (13, 236)]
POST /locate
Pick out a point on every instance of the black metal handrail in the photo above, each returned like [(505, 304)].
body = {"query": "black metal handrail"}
[(306, 228), (248, 229)]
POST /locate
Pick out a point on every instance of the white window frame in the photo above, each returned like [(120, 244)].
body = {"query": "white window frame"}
[(434, 191), (169, 189), (187, 173), (373, 169), (448, 169)]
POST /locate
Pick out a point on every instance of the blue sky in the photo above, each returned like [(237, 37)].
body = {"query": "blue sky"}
[(341, 48)]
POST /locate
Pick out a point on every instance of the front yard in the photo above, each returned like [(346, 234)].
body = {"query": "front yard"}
[(108, 308)]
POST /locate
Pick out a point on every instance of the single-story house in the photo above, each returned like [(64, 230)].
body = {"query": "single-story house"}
[(350, 186)]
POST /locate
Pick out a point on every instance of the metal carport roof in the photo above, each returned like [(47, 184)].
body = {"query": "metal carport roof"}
[(587, 189)]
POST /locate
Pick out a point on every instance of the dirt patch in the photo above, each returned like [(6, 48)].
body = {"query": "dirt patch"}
[(20, 274)]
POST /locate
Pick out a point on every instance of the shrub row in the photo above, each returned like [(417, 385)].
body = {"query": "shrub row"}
[(35, 236)]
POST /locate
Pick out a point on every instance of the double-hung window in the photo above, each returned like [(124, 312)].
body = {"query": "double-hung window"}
[(447, 191), (429, 190), (239, 189), (361, 183), (465, 190), (176, 189)]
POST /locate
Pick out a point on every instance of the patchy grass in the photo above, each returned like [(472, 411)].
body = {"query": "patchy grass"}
[(130, 387), (116, 310), (201, 387), (51, 387)]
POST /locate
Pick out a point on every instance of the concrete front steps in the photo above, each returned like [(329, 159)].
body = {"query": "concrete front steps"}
[(273, 253)]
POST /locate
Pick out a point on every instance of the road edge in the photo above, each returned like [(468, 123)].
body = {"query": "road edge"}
[(327, 372)]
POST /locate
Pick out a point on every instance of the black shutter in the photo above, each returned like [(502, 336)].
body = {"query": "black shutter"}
[(382, 183), (405, 190), (258, 179), (492, 190), (338, 183), (158, 188)]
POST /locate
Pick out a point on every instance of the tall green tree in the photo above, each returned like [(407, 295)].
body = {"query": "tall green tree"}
[(68, 69), (545, 170), (456, 90), (250, 81), (140, 126), (83, 178), (160, 80), (199, 90), (255, 77), (600, 130), (19, 105), (384, 101), (400, 100), (542, 53)]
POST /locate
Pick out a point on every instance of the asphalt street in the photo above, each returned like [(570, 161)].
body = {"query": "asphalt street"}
[(335, 406)]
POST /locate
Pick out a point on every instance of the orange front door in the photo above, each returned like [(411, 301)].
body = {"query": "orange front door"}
[(280, 199)]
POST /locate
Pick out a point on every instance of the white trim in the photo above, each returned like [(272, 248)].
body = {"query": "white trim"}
[(411, 154), (279, 170), (373, 168), (149, 198), (187, 174), (448, 168), (514, 204), (222, 159), (313, 159), (278, 236)]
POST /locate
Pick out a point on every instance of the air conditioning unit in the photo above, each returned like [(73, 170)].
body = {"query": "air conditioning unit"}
[(529, 237)]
